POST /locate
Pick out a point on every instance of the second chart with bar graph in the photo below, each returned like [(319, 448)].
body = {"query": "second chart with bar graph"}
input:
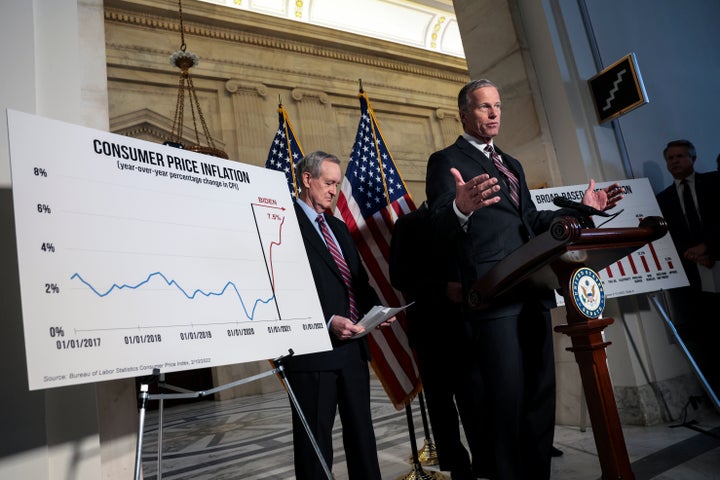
[(136, 256), (654, 267)]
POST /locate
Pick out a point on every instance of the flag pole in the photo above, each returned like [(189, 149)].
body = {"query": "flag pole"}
[(417, 472), (428, 454)]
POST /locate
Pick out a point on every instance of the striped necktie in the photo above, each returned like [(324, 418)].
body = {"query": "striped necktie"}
[(342, 266), (510, 178)]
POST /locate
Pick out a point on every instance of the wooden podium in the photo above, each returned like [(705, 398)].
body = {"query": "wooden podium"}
[(551, 260)]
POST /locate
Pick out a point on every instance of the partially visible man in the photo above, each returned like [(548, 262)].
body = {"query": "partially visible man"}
[(689, 207), (339, 379), (424, 272), (480, 202)]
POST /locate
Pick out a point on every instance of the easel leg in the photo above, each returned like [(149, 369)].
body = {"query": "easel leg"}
[(161, 404), (145, 396), (141, 429), (296, 405), (660, 305)]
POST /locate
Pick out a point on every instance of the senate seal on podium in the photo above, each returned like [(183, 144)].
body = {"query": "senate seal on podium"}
[(587, 292)]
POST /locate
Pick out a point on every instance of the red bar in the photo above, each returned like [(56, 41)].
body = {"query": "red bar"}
[(622, 270), (655, 257), (645, 264), (632, 264), (609, 272), (670, 264)]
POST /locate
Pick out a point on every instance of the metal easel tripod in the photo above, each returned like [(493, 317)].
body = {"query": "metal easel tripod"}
[(144, 396)]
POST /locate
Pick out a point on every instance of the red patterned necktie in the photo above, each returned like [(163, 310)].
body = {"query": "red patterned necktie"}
[(512, 181), (342, 266)]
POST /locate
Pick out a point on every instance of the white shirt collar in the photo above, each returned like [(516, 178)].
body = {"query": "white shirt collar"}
[(311, 214), (479, 144), (690, 180)]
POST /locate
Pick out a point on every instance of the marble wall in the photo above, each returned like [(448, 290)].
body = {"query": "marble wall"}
[(249, 63)]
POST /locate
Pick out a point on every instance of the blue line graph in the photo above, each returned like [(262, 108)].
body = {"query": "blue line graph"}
[(191, 296)]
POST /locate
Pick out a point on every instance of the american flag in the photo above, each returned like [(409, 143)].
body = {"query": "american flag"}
[(372, 197), (285, 150)]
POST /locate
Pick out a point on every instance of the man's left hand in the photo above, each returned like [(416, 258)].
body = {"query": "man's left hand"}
[(603, 199), (387, 322), (698, 254), (343, 328)]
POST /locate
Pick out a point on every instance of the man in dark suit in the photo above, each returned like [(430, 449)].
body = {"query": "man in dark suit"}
[(695, 226), (339, 379), (689, 207), (480, 202), (439, 337)]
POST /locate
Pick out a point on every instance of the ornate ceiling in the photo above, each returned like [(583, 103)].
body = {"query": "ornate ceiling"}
[(426, 24)]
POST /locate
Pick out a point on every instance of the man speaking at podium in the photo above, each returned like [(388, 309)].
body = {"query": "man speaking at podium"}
[(480, 204), (339, 379)]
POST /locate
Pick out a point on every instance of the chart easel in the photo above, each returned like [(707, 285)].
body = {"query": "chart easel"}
[(144, 396), (659, 301)]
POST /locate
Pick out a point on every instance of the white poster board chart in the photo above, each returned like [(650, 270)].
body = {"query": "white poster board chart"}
[(654, 267), (134, 256)]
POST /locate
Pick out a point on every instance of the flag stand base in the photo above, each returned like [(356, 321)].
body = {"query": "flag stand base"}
[(427, 455), (419, 474), (417, 471)]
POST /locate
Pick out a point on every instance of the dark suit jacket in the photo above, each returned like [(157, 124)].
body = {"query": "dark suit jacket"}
[(412, 240), (707, 188), (421, 268), (333, 293), (492, 233)]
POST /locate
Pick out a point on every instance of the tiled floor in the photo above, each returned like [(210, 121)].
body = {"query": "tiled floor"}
[(249, 438)]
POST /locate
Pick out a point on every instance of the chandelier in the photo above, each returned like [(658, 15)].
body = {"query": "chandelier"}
[(185, 60)]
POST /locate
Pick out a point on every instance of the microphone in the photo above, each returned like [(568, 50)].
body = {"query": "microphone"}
[(584, 209)]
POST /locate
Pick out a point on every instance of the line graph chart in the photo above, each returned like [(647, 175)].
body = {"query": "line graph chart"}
[(152, 260), (229, 286)]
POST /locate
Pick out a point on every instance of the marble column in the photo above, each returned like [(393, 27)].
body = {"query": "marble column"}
[(249, 102), (450, 125), (314, 110)]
